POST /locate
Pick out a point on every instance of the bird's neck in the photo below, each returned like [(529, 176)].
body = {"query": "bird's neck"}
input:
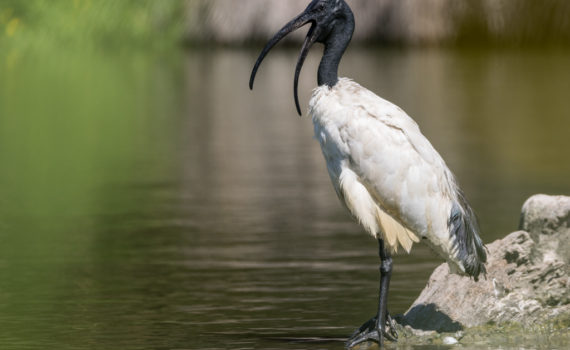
[(335, 45)]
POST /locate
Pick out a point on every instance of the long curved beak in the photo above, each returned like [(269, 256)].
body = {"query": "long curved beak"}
[(293, 25), (310, 39)]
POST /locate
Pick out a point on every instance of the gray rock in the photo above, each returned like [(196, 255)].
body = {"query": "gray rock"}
[(527, 277), (547, 219)]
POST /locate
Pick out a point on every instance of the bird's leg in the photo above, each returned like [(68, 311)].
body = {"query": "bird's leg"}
[(382, 325), (385, 275)]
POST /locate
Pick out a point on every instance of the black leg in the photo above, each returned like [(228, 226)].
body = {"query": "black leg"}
[(376, 329), (385, 274)]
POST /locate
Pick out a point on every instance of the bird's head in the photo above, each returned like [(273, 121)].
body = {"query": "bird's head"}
[(324, 16)]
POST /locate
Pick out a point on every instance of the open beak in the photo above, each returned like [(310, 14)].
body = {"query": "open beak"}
[(293, 25)]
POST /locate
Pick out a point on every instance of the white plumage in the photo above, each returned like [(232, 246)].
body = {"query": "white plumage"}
[(383, 169)]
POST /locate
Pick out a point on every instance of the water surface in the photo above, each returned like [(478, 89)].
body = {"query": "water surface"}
[(152, 201)]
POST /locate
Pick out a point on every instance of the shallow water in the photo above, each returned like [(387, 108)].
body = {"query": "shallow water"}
[(153, 201)]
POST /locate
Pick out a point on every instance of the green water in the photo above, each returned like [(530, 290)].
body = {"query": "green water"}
[(151, 201)]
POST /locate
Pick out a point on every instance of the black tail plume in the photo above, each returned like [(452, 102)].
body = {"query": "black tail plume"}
[(464, 228)]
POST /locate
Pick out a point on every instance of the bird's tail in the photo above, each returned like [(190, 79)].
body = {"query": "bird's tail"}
[(464, 230)]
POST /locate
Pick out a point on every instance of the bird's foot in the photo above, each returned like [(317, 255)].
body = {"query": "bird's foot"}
[(372, 331)]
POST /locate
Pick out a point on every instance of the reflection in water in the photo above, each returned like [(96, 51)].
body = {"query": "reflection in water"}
[(152, 202)]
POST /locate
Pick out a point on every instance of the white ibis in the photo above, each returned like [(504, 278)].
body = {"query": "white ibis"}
[(383, 169)]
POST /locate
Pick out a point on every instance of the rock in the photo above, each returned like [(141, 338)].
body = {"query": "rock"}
[(449, 341), (547, 219), (527, 278)]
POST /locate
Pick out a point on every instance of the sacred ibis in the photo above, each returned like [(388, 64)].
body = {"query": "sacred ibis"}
[(384, 170)]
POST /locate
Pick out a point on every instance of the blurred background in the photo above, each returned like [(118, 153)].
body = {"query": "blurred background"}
[(148, 199)]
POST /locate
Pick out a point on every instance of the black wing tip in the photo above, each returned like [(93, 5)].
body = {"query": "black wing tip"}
[(472, 252), (476, 269)]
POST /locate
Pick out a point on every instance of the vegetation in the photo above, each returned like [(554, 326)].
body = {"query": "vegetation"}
[(90, 24), (80, 82)]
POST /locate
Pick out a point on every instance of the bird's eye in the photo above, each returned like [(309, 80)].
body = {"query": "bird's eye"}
[(321, 7)]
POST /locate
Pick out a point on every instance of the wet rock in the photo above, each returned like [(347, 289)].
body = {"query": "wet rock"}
[(527, 277), (449, 341)]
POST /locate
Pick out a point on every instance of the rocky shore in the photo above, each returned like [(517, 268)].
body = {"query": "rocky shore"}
[(526, 293)]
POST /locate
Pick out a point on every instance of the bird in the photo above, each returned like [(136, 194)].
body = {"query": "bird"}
[(383, 169)]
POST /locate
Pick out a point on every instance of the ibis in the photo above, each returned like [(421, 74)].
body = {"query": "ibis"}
[(383, 169)]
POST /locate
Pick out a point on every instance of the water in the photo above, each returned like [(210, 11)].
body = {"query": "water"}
[(151, 201)]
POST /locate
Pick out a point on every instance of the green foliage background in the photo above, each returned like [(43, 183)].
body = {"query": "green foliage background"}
[(81, 84), (111, 24)]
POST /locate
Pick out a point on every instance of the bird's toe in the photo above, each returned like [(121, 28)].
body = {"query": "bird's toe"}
[(390, 329), (369, 331), (361, 337)]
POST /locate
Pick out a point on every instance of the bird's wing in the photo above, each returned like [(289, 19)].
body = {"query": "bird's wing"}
[(364, 207), (393, 116), (397, 164)]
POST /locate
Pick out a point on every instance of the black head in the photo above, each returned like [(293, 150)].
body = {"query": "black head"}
[(324, 16)]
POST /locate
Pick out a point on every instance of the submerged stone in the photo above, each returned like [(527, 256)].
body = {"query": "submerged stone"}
[(449, 341)]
